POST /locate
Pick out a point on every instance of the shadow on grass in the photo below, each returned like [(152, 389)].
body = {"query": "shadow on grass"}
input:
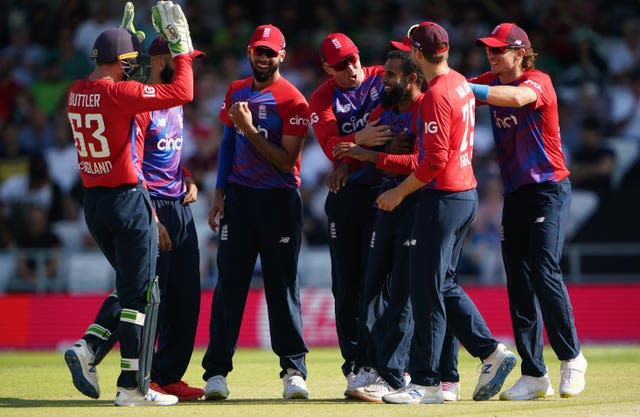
[(30, 403), (8, 402)]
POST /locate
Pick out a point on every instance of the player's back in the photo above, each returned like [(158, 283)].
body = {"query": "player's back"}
[(108, 155)]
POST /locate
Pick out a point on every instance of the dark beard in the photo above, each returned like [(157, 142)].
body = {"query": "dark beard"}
[(166, 75), (262, 76), (393, 97)]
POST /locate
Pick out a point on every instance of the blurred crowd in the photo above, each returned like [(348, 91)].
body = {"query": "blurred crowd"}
[(591, 49)]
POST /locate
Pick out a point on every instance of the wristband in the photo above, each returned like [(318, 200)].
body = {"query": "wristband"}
[(481, 91)]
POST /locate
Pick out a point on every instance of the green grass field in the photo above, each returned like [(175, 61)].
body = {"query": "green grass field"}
[(39, 384)]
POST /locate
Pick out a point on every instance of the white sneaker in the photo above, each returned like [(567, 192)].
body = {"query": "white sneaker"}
[(365, 376), (85, 377), (373, 392), (294, 386), (416, 394), (495, 369), (529, 388), (450, 391), (216, 388), (134, 398), (572, 376)]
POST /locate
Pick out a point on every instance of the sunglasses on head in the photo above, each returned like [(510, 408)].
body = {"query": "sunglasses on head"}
[(411, 30), (263, 50), (499, 50), (342, 65)]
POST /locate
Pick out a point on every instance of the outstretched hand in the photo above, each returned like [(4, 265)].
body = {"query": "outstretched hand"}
[(127, 21), (169, 20)]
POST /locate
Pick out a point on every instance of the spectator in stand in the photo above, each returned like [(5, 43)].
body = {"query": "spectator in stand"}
[(624, 55), (36, 135), (48, 91), (10, 89), (35, 188), (483, 248), (62, 159), (14, 160), (37, 259), (593, 164), (625, 108)]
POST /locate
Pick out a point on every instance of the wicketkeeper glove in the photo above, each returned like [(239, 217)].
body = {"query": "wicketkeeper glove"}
[(127, 21), (169, 20)]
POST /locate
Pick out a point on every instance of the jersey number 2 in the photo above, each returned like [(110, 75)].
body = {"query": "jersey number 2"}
[(469, 119), (91, 121)]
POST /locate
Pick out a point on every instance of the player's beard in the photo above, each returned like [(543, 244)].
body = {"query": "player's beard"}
[(394, 96), (262, 76), (166, 75)]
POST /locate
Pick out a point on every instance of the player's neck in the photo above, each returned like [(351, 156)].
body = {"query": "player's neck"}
[(508, 77), (431, 71), (257, 85), (103, 72), (405, 104)]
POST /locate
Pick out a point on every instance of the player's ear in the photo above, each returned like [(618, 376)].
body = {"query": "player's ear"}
[(327, 68), (283, 53)]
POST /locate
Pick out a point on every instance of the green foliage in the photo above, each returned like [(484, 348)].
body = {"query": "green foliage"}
[(38, 384)]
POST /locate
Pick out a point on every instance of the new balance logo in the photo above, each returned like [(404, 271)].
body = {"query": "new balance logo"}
[(284, 239)]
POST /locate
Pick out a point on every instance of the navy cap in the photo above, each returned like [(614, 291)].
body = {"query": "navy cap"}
[(430, 38), (115, 44), (159, 46)]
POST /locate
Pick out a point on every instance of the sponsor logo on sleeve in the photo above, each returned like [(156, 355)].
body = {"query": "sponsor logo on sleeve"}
[(297, 121), (148, 91), (533, 84), (431, 127)]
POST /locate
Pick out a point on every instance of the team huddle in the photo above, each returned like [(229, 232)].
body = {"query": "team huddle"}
[(402, 198)]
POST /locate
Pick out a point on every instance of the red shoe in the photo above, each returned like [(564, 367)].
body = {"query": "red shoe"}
[(154, 386), (183, 391)]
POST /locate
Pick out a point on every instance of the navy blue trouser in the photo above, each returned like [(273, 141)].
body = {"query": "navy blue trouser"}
[(179, 277), (120, 221), (350, 214), (387, 332), (441, 222), (266, 223), (534, 220)]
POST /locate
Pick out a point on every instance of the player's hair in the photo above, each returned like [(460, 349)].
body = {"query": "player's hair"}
[(529, 59), (408, 66), (437, 58)]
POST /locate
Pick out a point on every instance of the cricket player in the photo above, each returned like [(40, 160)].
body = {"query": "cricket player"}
[(118, 211), (258, 209), (446, 204), (387, 331), (171, 189), (340, 111), (526, 130)]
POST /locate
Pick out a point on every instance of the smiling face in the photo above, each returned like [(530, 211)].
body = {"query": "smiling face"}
[(394, 82), (264, 62), (348, 73), (505, 62)]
